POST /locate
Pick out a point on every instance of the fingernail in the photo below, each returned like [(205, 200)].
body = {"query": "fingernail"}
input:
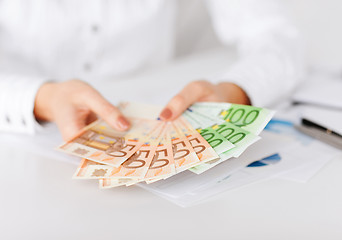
[(166, 114), (123, 123)]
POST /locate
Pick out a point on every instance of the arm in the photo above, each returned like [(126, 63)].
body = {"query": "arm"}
[(17, 95), (71, 105), (74, 104), (269, 62), (270, 58)]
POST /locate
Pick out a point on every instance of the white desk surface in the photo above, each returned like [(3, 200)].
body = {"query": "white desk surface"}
[(39, 200)]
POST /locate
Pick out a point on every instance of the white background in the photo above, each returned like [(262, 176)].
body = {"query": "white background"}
[(38, 199), (320, 22)]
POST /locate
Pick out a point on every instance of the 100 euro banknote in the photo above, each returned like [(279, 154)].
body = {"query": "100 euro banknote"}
[(240, 138), (214, 139), (237, 136), (249, 118)]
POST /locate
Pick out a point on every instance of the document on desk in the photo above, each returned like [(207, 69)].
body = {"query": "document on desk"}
[(330, 119), (43, 143), (322, 123), (188, 189), (281, 150), (321, 91)]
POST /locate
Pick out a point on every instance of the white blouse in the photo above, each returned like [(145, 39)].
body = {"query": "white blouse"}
[(63, 39)]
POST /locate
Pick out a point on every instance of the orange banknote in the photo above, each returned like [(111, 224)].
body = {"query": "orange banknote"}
[(135, 167), (204, 151), (101, 143)]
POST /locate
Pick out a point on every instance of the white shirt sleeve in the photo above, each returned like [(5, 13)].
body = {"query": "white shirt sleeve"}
[(17, 96), (269, 47)]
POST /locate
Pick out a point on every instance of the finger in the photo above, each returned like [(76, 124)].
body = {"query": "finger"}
[(99, 105), (189, 95), (70, 130), (69, 125), (91, 118)]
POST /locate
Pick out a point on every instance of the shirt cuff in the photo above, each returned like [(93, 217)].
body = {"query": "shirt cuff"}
[(17, 104), (265, 82)]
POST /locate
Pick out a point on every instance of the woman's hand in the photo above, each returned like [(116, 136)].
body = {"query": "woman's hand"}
[(74, 104), (203, 91)]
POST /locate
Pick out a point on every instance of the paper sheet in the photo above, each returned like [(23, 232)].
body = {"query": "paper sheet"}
[(321, 91)]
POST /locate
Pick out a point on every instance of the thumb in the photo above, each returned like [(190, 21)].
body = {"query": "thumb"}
[(189, 95), (70, 130), (69, 124)]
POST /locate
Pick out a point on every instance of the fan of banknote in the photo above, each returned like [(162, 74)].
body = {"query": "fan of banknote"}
[(206, 135)]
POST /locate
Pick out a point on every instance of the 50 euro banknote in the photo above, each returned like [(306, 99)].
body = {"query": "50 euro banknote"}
[(161, 167), (203, 150), (160, 164), (183, 153), (163, 163), (135, 167), (101, 143)]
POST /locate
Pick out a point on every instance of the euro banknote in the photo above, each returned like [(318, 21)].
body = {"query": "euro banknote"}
[(249, 118), (237, 136), (100, 143), (205, 135)]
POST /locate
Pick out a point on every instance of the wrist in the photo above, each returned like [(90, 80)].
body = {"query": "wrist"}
[(233, 93), (42, 104)]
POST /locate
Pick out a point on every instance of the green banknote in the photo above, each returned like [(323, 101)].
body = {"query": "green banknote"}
[(241, 138), (249, 118), (215, 140)]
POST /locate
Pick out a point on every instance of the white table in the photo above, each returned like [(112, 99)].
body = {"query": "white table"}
[(39, 200)]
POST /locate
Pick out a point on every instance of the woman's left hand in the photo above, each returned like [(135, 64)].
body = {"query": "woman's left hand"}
[(203, 91)]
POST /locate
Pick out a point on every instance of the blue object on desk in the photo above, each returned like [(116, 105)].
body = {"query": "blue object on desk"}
[(270, 160)]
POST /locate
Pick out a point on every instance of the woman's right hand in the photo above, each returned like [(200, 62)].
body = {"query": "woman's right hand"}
[(74, 104)]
